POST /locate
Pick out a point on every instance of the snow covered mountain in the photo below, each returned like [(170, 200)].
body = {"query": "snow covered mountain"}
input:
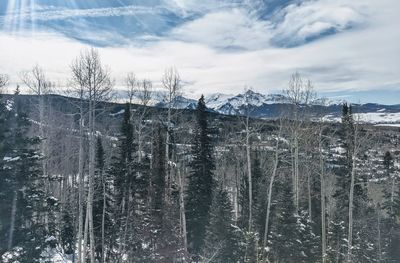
[(270, 106)]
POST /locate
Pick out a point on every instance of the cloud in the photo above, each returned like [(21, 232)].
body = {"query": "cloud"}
[(227, 48), (226, 29), (298, 23), (65, 13)]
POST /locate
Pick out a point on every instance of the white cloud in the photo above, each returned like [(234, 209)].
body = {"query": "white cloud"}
[(300, 22), (65, 13), (360, 59), (226, 28)]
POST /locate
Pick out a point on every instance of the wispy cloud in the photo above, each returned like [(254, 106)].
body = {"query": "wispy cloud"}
[(298, 23), (65, 13), (341, 45)]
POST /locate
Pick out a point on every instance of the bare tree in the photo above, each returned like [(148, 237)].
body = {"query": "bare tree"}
[(271, 184), (96, 85), (171, 82), (142, 91), (3, 81), (39, 85), (300, 94), (359, 144)]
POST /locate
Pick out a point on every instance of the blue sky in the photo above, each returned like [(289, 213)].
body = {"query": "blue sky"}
[(349, 48)]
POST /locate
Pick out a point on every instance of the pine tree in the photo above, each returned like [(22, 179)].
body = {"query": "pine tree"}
[(221, 242), (285, 241), (339, 224), (23, 202), (67, 233), (259, 197), (102, 204), (121, 176), (199, 193), (164, 214), (391, 204)]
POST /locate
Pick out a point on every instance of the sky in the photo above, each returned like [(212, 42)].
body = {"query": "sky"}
[(349, 49)]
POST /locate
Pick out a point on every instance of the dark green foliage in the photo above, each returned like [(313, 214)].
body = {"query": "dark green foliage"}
[(221, 243), (67, 233), (284, 238), (258, 194), (292, 237), (339, 224), (102, 203), (199, 192), (391, 205), (23, 201)]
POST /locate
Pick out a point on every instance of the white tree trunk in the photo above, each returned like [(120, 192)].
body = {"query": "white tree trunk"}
[(351, 197), (296, 171), (80, 183), (92, 150), (323, 204), (248, 157), (103, 216), (269, 201), (12, 224), (182, 209)]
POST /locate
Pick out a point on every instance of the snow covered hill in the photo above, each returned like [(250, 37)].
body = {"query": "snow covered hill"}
[(270, 106)]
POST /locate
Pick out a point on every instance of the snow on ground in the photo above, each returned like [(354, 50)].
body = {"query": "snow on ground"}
[(379, 118), (388, 125)]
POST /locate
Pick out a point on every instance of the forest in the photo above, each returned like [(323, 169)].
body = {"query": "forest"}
[(84, 178)]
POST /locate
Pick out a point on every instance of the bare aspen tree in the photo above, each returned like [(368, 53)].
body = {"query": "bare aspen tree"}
[(142, 91), (96, 83), (40, 86), (322, 162), (171, 82), (358, 147), (3, 81), (249, 132), (78, 82), (131, 84), (299, 94), (271, 184), (181, 183)]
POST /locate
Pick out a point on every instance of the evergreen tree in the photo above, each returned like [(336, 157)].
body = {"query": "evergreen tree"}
[(285, 241), (165, 225), (221, 243), (67, 233), (259, 197), (102, 203), (24, 233), (199, 192), (121, 176), (339, 225), (391, 204)]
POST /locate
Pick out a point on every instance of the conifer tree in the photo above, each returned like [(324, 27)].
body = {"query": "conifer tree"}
[(221, 243), (199, 192), (23, 199), (121, 177), (164, 214), (102, 204), (339, 224), (391, 204), (285, 240)]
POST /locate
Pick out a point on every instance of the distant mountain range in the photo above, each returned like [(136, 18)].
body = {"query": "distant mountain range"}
[(272, 105)]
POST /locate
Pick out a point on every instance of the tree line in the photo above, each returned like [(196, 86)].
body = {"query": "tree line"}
[(176, 186)]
